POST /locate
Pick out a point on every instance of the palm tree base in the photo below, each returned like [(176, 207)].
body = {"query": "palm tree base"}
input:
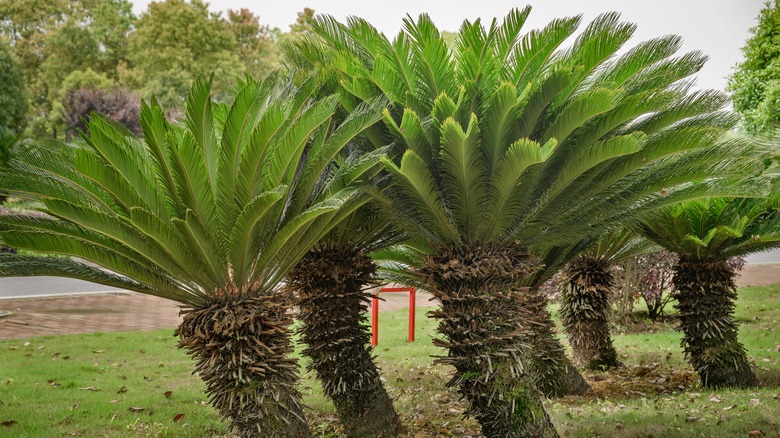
[(485, 331), (553, 372), (585, 312), (706, 295), (241, 350), (329, 282)]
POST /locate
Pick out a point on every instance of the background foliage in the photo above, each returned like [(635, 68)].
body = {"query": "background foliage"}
[(98, 53), (755, 84)]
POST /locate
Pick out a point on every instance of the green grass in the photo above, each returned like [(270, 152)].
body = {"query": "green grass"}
[(94, 386)]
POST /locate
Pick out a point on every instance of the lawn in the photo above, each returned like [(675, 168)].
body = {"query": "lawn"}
[(139, 385)]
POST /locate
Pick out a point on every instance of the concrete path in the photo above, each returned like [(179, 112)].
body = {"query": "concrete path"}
[(114, 312), (18, 287)]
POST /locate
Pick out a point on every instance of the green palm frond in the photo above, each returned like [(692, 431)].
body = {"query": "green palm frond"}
[(223, 204), (718, 228), (511, 138)]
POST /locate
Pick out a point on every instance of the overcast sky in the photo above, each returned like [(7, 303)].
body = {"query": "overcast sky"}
[(719, 28)]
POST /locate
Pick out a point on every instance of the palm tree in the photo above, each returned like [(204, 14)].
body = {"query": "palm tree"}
[(199, 213), (586, 308), (511, 144), (705, 234), (331, 283), (556, 376)]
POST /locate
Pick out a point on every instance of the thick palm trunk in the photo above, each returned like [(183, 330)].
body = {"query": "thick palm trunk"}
[(705, 292), (553, 372), (586, 310), (484, 330), (329, 282), (242, 351)]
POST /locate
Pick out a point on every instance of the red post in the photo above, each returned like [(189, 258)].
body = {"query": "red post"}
[(375, 312), (412, 305), (375, 320)]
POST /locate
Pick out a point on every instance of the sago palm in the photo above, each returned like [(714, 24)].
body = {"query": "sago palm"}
[(705, 234), (331, 286), (586, 308), (510, 144), (331, 282), (200, 213)]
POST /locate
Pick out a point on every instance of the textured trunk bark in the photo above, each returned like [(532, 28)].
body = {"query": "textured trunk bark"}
[(241, 350), (705, 292), (585, 312), (484, 329), (553, 372), (329, 282)]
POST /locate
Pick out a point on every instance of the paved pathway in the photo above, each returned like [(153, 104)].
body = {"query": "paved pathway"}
[(112, 312), (125, 311)]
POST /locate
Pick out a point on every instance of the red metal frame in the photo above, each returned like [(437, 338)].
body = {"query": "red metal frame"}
[(375, 311)]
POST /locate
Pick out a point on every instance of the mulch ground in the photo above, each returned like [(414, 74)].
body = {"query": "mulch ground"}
[(127, 311)]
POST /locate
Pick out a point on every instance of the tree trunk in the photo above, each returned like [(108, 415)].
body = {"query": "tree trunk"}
[(485, 331), (329, 282), (241, 350), (705, 292), (586, 310), (553, 372)]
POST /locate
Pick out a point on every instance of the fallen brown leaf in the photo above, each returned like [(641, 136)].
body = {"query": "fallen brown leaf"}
[(136, 409), (9, 423), (178, 417), (167, 394)]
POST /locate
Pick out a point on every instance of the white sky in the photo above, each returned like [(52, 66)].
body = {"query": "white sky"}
[(719, 28)]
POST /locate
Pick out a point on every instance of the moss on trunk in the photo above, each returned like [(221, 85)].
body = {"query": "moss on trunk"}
[(705, 292), (586, 311), (485, 331), (329, 282), (242, 351), (553, 372)]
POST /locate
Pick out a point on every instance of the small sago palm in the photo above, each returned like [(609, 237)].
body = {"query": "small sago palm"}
[(331, 283), (705, 234), (199, 213), (586, 308), (510, 144)]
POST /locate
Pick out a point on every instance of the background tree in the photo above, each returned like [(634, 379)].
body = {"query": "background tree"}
[(114, 104), (255, 45), (705, 234), (303, 22), (83, 92), (52, 38), (13, 105), (197, 213), (755, 83), (174, 42), (13, 94)]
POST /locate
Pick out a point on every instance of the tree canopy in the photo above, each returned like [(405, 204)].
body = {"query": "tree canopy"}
[(157, 54), (13, 96), (755, 83)]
